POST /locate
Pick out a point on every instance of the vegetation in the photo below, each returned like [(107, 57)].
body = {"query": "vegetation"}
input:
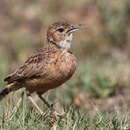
[(97, 97)]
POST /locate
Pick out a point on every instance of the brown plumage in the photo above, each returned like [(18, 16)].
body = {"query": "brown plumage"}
[(49, 67)]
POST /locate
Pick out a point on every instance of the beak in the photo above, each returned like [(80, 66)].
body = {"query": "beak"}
[(75, 28)]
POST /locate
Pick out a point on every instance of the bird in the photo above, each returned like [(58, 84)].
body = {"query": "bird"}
[(49, 67)]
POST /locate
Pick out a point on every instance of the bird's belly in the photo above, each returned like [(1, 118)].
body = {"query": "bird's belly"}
[(58, 72)]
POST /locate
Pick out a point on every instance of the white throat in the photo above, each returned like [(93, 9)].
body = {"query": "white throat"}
[(66, 44)]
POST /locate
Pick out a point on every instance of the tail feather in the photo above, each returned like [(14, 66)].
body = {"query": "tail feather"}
[(9, 88), (4, 92)]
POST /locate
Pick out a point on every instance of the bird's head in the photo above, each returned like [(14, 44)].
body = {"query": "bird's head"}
[(61, 34)]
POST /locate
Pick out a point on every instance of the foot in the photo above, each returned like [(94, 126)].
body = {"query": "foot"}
[(57, 109)]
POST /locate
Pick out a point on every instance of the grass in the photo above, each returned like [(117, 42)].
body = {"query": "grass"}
[(75, 119), (90, 101)]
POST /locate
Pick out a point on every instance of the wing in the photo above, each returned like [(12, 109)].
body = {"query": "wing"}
[(32, 68)]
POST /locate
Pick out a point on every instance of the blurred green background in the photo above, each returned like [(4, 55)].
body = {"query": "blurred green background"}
[(102, 49)]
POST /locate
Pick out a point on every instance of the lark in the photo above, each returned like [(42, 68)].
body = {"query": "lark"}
[(49, 67)]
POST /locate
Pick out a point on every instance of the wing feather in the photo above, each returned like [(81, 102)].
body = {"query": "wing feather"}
[(33, 67)]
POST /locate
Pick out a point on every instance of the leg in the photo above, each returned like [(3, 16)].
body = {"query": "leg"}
[(52, 107), (45, 102), (34, 103)]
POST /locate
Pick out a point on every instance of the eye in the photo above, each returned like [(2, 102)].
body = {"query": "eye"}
[(60, 30)]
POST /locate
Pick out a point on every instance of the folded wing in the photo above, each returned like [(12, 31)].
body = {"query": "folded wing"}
[(32, 68)]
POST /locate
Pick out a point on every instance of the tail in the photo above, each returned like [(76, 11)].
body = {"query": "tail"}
[(4, 92), (9, 88)]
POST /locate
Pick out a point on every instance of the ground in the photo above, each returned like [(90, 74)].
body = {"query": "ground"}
[(91, 100)]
